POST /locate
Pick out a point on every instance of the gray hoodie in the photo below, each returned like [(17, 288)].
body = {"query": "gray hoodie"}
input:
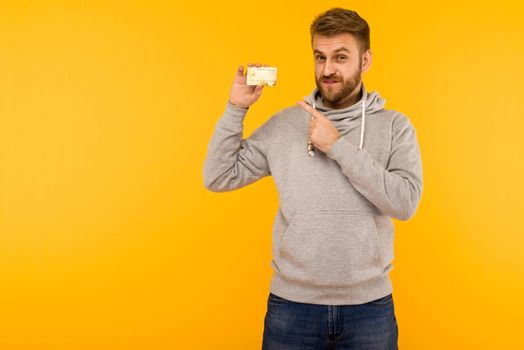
[(332, 234)]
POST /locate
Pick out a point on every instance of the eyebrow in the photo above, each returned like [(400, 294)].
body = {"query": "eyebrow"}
[(337, 50)]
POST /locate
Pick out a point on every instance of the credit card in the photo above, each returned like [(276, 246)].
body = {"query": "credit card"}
[(261, 76)]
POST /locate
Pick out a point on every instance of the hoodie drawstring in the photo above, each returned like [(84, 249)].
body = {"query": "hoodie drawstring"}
[(310, 148), (363, 122)]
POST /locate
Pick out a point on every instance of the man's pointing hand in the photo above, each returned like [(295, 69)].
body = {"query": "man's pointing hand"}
[(322, 132)]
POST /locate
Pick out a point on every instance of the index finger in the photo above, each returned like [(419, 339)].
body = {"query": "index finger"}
[(308, 108)]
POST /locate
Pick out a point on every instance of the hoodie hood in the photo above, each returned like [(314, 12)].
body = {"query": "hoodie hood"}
[(346, 119)]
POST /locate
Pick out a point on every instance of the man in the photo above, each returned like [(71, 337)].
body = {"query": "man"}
[(343, 166)]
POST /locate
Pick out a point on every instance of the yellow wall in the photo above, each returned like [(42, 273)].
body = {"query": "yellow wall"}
[(108, 239)]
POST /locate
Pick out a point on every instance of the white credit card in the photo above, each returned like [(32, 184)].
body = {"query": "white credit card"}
[(261, 76)]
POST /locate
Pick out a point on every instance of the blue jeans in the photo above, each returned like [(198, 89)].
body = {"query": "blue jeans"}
[(290, 325)]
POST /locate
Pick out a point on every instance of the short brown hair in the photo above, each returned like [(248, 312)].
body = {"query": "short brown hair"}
[(338, 20)]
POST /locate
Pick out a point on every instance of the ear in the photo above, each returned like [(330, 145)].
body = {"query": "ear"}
[(366, 60)]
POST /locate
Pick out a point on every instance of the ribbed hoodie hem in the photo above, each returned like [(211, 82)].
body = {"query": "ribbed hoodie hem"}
[(364, 292)]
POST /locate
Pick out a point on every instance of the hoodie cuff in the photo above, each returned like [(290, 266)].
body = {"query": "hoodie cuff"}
[(233, 117), (342, 151)]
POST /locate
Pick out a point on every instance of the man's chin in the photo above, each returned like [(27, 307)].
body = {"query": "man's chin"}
[(328, 95)]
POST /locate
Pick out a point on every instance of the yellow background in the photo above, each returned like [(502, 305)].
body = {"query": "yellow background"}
[(108, 238)]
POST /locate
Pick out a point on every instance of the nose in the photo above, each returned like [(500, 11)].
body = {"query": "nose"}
[(329, 69)]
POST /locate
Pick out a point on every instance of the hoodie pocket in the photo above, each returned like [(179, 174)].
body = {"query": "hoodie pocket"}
[(330, 248)]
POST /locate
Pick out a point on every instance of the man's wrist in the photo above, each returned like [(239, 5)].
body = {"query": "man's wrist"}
[(333, 143), (237, 105)]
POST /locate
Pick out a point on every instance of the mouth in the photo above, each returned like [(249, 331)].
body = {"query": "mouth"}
[(329, 82)]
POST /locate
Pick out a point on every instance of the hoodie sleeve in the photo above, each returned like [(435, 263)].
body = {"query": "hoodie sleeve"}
[(396, 190), (233, 162)]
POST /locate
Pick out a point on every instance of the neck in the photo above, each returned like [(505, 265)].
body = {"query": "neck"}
[(348, 101)]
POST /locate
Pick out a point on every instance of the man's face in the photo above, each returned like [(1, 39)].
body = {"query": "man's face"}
[(338, 68)]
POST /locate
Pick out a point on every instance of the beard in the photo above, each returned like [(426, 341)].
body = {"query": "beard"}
[(335, 94)]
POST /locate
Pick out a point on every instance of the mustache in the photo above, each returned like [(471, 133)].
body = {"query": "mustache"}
[(332, 77)]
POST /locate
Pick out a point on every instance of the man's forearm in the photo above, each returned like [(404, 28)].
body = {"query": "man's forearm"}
[(231, 161)]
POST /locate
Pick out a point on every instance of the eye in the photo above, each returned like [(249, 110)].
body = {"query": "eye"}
[(341, 57), (317, 57)]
